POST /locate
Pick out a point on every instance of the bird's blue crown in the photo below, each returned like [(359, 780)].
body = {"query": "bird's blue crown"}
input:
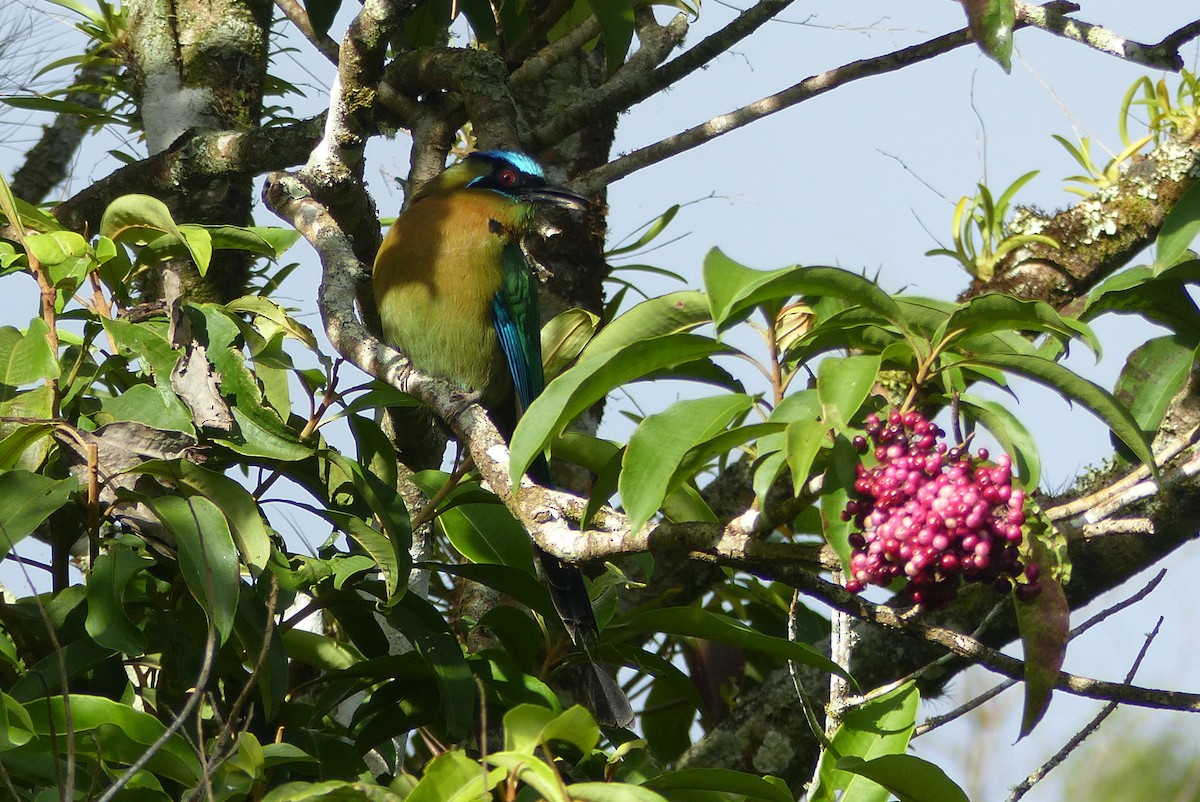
[(522, 162)]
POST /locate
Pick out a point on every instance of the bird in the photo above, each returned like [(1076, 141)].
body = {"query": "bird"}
[(457, 294)]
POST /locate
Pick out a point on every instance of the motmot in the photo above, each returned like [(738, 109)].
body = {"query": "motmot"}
[(457, 294)]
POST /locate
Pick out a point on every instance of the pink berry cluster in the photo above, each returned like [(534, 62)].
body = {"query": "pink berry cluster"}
[(934, 514)]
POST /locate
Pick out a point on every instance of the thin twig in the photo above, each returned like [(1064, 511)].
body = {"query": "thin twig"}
[(206, 664), (811, 87), (1061, 755), (244, 696), (933, 722), (1105, 495), (67, 785)]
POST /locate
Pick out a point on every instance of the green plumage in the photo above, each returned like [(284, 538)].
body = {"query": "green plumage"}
[(457, 295)]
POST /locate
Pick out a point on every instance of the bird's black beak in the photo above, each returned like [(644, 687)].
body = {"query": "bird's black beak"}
[(557, 196)]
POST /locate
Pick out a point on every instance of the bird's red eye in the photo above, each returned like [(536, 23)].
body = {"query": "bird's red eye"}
[(507, 177)]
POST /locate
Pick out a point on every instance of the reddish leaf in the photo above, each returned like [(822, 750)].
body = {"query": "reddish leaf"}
[(1044, 622)]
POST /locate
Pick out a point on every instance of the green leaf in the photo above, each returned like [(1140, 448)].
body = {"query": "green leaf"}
[(996, 312), (429, 633), (564, 337), (804, 440), (120, 734), (616, 22), (659, 444), (991, 24), (695, 623), (333, 791), (843, 384), (56, 247), (393, 563), (675, 313), (140, 220), (1178, 230), (909, 777), (263, 434), (321, 14), (734, 288), (514, 582), (666, 720), (143, 404), (27, 499), (18, 441), (269, 241), (487, 533), (532, 772), (239, 507), (26, 358), (727, 781), (269, 310), (108, 620), (612, 792), (16, 726), (523, 727), (592, 378), (453, 777), (320, 651), (1153, 375), (1163, 299), (1076, 388), (207, 556), (575, 726), (199, 243), (882, 726), (1010, 431)]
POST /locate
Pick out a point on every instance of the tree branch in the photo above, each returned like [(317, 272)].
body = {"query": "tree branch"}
[(805, 90), (628, 89), (1162, 56), (191, 159), (299, 17)]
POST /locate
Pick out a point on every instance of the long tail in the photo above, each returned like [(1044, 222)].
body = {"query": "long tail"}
[(569, 594)]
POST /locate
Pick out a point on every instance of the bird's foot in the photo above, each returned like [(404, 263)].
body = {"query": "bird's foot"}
[(462, 400)]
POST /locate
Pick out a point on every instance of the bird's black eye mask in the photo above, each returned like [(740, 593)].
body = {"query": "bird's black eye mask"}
[(504, 176)]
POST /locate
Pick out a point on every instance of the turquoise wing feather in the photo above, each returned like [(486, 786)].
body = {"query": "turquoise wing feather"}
[(518, 325)]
